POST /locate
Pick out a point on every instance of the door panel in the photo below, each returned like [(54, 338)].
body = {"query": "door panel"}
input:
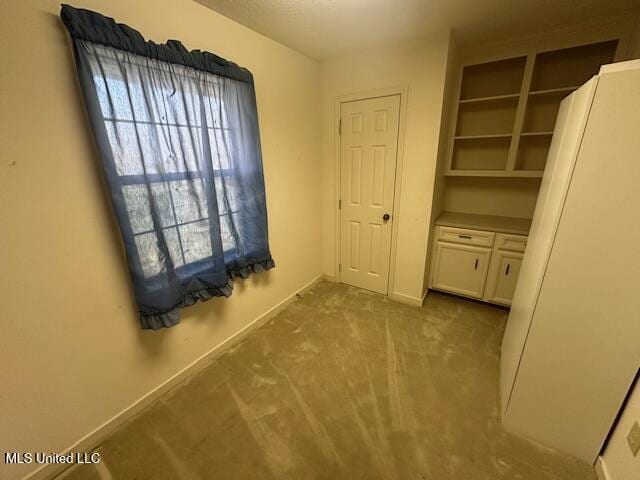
[(503, 276), (355, 176), (461, 269), (375, 236), (368, 147), (354, 246), (583, 349), (567, 135), (377, 184)]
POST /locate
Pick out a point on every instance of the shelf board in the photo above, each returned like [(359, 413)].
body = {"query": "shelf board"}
[(551, 91), (490, 99), (476, 137), (535, 134), (495, 173)]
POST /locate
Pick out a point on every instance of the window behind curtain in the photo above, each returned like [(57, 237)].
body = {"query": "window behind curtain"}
[(159, 146), (180, 147)]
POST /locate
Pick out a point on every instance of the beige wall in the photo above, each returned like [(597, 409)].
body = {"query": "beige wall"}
[(421, 67), (507, 197), (618, 460), (71, 351)]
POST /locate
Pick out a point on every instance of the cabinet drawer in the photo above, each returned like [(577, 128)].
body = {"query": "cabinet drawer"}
[(464, 236), (514, 243)]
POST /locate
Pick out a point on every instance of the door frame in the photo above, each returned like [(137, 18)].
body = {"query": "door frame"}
[(402, 91)]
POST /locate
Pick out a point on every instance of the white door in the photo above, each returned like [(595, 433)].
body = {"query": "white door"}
[(503, 276), (461, 269), (368, 147)]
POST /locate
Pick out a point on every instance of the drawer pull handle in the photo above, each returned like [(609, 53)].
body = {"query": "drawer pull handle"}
[(467, 237), (476, 266), (507, 270)]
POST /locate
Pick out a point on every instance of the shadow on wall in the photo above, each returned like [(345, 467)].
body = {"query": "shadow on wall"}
[(211, 312), (117, 252)]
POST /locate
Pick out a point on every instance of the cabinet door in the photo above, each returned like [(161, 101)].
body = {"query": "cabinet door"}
[(503, 276), (461, 269)]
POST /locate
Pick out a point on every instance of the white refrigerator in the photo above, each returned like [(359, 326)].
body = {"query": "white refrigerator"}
[(571, 348)]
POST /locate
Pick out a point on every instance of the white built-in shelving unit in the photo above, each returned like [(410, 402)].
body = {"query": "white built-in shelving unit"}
[(507, 109)]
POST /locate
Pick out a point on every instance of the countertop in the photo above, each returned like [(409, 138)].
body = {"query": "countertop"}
[(517, 226)]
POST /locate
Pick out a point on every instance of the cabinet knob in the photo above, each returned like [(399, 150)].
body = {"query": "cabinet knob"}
[(506, 272), (476, 265)]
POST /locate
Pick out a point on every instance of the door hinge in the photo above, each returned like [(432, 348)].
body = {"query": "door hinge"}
[(340, 127)]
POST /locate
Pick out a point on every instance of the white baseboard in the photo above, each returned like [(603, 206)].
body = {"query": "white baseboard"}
[(601, 469), (398, 297), (94, 438), (330, 278), (407, 299)]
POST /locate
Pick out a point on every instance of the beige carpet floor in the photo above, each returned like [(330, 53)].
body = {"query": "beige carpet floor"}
[(343, 384)]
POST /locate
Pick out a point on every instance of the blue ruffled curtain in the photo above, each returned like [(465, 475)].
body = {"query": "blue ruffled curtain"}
[(178, 137)]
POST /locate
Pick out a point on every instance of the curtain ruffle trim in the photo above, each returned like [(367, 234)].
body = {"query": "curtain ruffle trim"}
[(171, 317), (257, 267), (96, 28)]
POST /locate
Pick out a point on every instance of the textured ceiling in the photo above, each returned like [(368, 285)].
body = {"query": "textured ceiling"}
[(328, 28)]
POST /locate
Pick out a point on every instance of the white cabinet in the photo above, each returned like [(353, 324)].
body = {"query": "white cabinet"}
[(461, 268), (571, 349), (503, 276), (479, 264)]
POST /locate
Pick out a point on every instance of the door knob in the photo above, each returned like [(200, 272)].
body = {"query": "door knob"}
[(386, 217)]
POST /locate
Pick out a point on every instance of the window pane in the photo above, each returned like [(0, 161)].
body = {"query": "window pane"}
[(196, 241), (155, 141), (111, 88), (131, 87), (189, 200), (187, 143), (151, 257), (228, 242), (124, 148), (136, 198), (165, 149), (220, 143), (137, 108), (182, 104), (162, 199), (137, 202), (228, 192), (215, 116), (173, 244)]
